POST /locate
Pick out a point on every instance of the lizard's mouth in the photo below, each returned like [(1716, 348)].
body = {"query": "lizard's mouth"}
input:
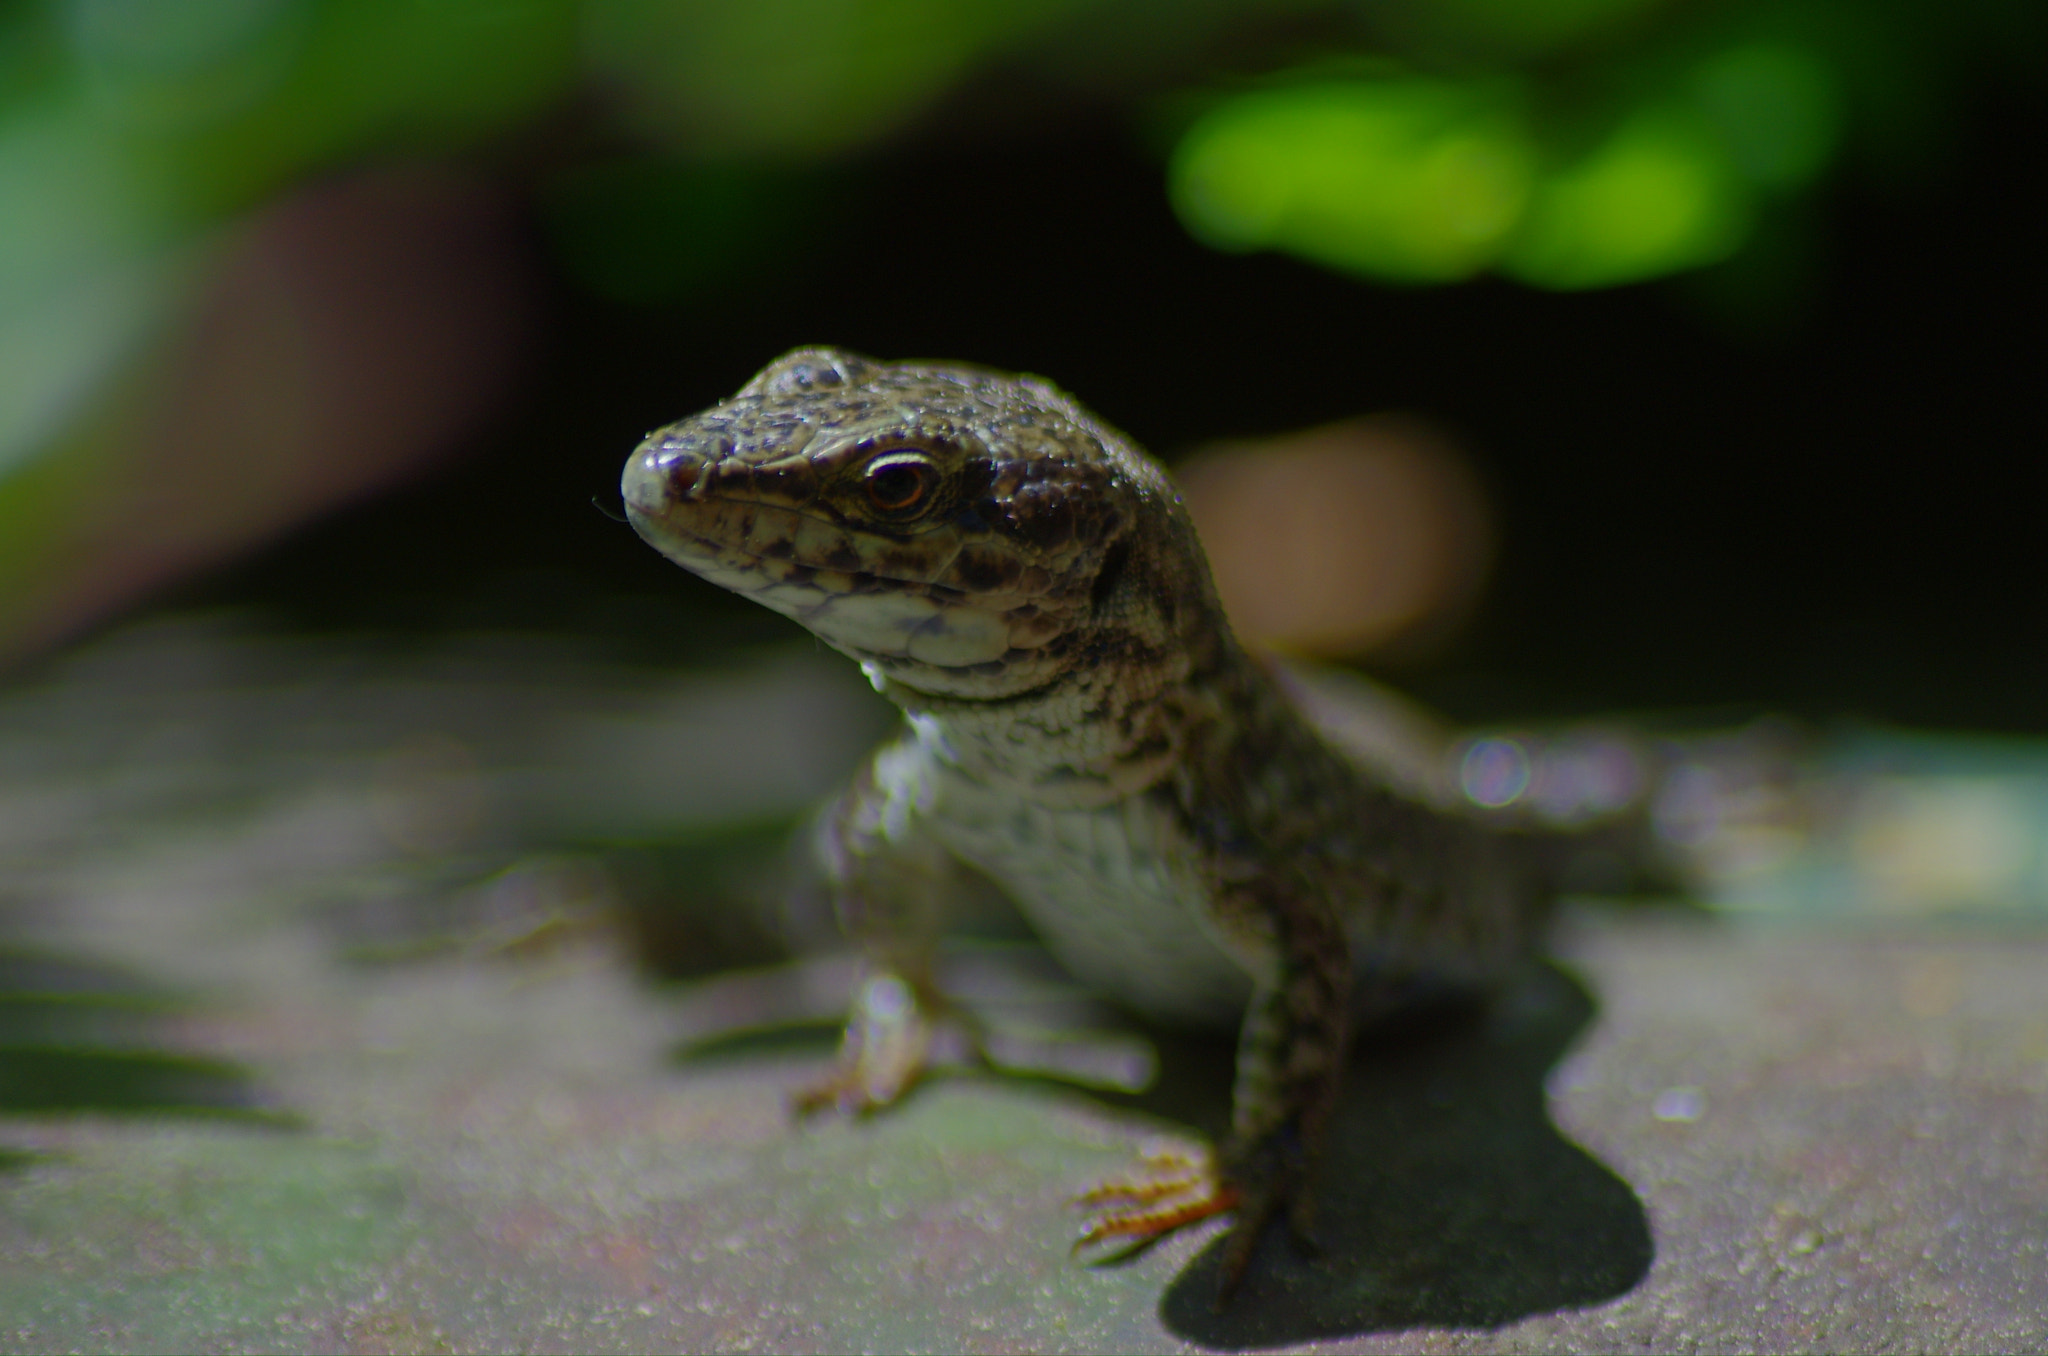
[(687, 508), (678, 510), (860, 613)]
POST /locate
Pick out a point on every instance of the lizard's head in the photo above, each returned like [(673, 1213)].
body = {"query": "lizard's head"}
[(960, 531)]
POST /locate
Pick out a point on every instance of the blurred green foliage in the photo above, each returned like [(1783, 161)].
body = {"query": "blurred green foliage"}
[(1564, 143), (794, 77), (1407, 178), (80, 1037), (1634, 160)]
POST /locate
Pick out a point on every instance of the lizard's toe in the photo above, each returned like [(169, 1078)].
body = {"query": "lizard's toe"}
[(1174, 1191)]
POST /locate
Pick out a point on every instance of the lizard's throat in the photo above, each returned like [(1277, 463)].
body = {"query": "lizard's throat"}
[(1087, 738), (933, 640)]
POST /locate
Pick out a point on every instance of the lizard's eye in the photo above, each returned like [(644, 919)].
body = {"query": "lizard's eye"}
[(900, 485)]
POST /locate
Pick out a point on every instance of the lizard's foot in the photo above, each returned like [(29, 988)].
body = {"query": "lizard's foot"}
[(1175, 1190), (1270, 1173), (1179, 1189), (887, 1047)]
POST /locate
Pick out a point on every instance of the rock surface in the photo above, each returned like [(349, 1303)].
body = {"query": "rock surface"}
[(1688, 1134)]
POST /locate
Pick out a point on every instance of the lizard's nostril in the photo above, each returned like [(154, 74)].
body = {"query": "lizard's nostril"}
[(666, 456), (668, 452), (678, 472), (657, 477)]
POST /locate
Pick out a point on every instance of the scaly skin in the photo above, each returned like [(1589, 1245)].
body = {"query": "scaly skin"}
[(1084, 729)]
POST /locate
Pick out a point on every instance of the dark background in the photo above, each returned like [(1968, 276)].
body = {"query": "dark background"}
[(1809, 479)]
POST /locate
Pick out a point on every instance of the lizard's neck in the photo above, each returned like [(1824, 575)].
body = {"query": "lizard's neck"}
[(1149, 676)]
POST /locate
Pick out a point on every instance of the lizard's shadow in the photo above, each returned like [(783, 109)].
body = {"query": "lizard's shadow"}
[(1446, 1197)]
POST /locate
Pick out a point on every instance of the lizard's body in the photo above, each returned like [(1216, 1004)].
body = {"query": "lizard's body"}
[(1082, 728), (1123, 883)]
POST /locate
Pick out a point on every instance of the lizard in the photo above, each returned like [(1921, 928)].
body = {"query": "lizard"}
[(1082, 727)]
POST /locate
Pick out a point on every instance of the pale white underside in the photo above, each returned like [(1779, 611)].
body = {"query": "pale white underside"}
[(1111, 888)]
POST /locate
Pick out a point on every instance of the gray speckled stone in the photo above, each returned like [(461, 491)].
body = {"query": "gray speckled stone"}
[(1688, 1136)]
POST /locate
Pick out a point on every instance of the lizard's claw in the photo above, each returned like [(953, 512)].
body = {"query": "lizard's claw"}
[(1175, 1191), (1178, 1189), (1272, 1172), (1257, 1209)]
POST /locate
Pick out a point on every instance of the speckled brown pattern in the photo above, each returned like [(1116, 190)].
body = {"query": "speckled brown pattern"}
[(1083, 728)]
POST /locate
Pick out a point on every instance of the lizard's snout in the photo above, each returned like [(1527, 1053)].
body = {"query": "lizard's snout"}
[(663, 474)]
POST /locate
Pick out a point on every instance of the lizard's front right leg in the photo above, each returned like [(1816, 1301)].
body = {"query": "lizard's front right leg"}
[(891, 884), (1290, 1064)]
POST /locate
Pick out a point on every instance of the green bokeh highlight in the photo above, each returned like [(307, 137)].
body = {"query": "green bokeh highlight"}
[(1657, 196), (1426, 180), (1776, 107), (1410, 180)]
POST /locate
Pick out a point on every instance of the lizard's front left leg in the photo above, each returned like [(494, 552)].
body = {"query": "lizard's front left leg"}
[(1290, 1066), (891, 884)]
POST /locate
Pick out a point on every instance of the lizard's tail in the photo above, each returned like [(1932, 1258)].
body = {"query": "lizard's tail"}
[(1613, 809), (1617, 807)]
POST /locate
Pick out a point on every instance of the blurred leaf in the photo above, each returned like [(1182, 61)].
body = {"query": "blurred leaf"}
[(76, 1036), (794, 77), (1777, 107), (166, 66), (1657, 196), (134, 1082), (31, 54), (377, 74), (1406, 179), (81, 278)]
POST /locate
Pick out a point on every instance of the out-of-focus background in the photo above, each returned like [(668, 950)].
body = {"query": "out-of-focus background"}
[(1712, 326), (1649, 385)]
